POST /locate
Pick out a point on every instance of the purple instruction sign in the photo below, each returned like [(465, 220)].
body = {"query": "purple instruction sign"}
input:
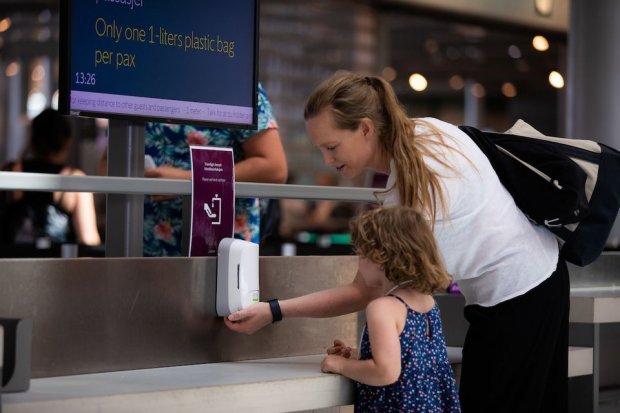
[(213, 198)]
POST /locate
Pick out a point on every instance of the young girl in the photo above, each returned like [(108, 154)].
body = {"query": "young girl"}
[(403, 363)]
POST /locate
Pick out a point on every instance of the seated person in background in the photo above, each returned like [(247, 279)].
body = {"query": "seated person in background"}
[(320, 216), (59, 217), (329, 216)]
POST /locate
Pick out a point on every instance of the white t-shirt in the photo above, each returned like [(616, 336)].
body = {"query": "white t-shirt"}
[(488, 245)]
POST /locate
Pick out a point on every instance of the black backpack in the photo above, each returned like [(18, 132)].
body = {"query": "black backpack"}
[(571, 186)]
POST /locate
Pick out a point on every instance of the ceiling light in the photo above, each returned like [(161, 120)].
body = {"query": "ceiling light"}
[(514, 51), (478, 90), (35, 104), (389, 73), (5, 24), (543, 7), (418, 82), (55, 99), (38, 73), (456, 82), (556, 80), (540, 43), (12, 69), (509, 90)]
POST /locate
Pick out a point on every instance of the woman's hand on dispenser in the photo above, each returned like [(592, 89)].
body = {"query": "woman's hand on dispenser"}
[(251, 319)]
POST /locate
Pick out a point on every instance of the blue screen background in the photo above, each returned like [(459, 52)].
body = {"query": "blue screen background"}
[(167, 72)]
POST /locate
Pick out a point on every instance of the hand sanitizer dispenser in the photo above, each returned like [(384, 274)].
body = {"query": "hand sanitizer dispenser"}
[(237, 275)]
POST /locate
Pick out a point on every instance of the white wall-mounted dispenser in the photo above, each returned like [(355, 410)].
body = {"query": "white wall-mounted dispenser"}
[(237, 275)]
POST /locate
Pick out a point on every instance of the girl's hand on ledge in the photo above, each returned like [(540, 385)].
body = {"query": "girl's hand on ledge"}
[(340, 349)]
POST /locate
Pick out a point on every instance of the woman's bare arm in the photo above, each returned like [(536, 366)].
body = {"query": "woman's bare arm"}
[(327, 303)]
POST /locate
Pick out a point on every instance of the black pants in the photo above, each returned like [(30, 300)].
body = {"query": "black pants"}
[(515, 357)]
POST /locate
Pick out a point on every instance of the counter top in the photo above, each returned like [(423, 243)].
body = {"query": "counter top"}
[(595, 306), (587, 305), (598, 292), (579, 359), (266, 385)]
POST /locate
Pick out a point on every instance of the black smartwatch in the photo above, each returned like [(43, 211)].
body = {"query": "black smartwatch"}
[(276, 312)]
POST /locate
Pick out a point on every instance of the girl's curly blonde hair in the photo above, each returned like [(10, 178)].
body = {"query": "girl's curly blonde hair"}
[(400, 240)]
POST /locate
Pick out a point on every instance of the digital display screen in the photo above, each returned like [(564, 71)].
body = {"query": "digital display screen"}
[(183, 61)]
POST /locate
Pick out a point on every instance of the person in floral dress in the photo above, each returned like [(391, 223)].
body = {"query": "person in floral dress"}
[(258, 155)]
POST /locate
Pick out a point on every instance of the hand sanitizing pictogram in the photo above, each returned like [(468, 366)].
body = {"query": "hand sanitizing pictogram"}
[(216, 205)]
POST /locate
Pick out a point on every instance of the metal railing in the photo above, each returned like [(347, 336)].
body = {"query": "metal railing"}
[(21, 181)]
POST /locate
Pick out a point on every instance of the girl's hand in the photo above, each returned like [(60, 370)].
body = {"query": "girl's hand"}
[(340, 349), (251, 319), (332, 364)]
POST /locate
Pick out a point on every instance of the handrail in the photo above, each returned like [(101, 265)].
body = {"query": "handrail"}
[(21, 181)]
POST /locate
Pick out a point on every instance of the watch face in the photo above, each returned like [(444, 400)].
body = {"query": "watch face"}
[(543, 7)]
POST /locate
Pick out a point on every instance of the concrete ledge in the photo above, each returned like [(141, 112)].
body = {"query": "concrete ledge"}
[(595, 307), (274, 385), (580, 359), (455, 354), (271, 385)]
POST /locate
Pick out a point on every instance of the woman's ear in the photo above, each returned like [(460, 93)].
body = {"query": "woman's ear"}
[(367, 126)]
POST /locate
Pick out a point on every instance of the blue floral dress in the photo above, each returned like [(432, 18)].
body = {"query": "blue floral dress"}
[(168, 144), (426, 383)]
